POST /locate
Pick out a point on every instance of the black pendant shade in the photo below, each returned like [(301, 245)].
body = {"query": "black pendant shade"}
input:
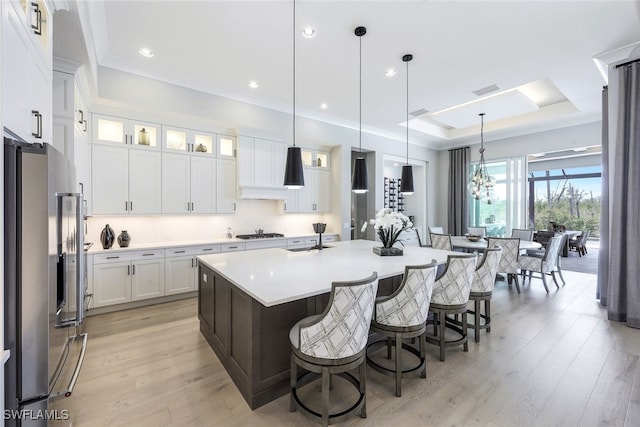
[(293, 171), (359, 181), (406, 185)]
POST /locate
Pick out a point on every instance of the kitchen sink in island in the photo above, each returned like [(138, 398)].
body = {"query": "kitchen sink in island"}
[(248, 302)]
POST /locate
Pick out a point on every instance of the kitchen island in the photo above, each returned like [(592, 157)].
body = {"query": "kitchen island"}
[(248, 302)]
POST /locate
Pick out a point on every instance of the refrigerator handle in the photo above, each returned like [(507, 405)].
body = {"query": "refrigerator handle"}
[(79, 259), (72, 383)]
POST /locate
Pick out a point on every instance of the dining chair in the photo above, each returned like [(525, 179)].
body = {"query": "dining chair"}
[(478, 231), (400, 316), (450, 297), (522, 234), (484, 280), (540, 253), (580, 243), (333, 343), (545, 265), (436, 230), (441, 241), (543, 236), (509, 259)]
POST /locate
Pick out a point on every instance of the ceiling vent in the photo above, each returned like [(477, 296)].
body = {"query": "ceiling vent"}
[(419, 112), (486, 90)]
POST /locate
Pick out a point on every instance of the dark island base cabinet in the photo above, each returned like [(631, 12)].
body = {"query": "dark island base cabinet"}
[(251, 340)]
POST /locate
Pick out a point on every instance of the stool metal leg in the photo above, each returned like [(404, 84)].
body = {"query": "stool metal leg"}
[(325, 396), (398, 365), (487, 312), (443, 327), (423, 350), (476, 326), (465, 335), (294, 384), (363, 388)]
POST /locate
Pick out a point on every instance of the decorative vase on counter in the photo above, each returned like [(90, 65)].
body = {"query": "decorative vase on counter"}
[(124, 239), (382, 251), (107, 237)]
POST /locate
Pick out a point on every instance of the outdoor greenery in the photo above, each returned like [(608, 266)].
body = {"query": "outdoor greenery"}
[(573, 208)]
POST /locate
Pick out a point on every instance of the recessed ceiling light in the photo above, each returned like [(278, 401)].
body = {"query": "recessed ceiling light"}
[(390, 72), (253, 84), (146, 52), (309, 32), (324, 106)]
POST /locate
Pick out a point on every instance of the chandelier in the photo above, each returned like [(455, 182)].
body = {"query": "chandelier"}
[(482, 183)]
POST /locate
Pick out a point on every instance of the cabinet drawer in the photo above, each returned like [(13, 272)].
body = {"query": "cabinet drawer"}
[(263, 244), (330, 238), (191, 251), (232, 247), (127, 256)]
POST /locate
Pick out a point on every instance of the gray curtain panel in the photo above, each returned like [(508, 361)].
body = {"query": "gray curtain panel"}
[(458, 216), (623, 297), (603, 253)]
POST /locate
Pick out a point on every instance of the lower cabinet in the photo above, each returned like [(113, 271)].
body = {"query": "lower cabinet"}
[(126, 277), (181, 268)]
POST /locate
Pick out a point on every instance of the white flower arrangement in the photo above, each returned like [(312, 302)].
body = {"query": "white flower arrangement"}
[(389, 224)]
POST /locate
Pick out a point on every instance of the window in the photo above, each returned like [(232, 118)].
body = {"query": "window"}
[(506, 210)]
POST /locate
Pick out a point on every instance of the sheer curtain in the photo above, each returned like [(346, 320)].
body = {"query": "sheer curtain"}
[(458, 213), (623, 293)]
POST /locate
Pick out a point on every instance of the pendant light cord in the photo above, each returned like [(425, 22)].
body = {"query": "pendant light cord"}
[(360, 100), (294, 73), (407, 112)]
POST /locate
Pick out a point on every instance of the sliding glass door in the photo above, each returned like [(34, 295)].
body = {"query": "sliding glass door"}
[(507, 208)]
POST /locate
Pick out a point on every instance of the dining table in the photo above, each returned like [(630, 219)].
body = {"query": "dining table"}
[(461, 242)]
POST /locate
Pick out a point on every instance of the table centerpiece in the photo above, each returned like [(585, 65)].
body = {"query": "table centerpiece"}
[(388, 225)]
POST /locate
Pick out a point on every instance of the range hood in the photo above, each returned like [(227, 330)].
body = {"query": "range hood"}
[(262, 193)]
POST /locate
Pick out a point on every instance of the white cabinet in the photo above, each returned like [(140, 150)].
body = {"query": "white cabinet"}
[(319, 159), (188, 184), (119, 131), (125, 181), (226, 184), (315, 196), (226, 146), (26, 70), (181, 268), (188, 141), (126, 277), (260, 163)]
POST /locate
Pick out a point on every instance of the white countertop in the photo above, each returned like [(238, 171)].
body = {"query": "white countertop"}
[(97, 246), (276, 276)]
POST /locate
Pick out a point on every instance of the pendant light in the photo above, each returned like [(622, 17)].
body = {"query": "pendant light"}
[(482, 183), (406, 185), (293, 171), (360, 180)]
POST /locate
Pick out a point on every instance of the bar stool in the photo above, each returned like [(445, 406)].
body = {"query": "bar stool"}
[(334, 342), (509, 260), (484, 280), (402, 315), (450, 296)]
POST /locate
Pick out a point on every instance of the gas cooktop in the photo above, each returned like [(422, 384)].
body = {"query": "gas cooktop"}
[(258, 236)]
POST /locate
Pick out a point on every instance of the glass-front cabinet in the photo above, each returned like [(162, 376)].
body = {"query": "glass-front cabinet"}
[(226, 146), (190, 141), (118, 131), (314, 158)]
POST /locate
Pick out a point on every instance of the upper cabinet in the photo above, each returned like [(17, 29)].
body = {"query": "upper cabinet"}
[(319, 159), (26, 69), (189, 141), (119, 131), (261, 168), (227, 146)]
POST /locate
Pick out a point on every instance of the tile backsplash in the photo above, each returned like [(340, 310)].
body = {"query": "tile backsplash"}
[(251, 215)]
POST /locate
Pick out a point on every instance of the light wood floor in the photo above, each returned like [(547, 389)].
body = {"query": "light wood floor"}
[(550, 360)]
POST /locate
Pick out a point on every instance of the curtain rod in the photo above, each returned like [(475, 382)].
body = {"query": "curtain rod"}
[(627, 63)]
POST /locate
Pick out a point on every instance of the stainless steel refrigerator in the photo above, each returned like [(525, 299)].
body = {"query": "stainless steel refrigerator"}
[(44, 282)]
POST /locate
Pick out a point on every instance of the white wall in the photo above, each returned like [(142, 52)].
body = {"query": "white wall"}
[(554, 140), (147, 99)]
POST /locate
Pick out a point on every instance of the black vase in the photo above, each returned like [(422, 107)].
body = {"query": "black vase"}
[(124, 239), (107, 237)]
